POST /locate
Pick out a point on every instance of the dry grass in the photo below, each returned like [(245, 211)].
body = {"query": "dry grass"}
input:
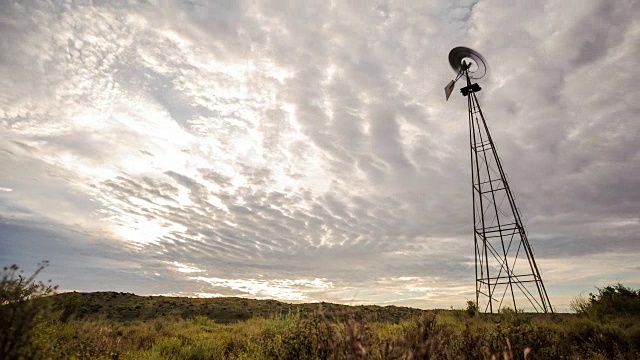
[(433, 335)]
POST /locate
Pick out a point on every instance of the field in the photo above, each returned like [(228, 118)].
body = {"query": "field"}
[(110, 325)]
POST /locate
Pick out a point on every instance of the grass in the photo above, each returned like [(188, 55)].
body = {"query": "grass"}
[(124, 326)]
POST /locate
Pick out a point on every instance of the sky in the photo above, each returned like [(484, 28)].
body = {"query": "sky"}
[(304, 151)]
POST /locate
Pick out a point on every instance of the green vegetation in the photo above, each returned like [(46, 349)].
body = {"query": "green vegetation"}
[(610, 301), (23, 302), (439, 334), (128, 307), (472, 308), (109, 325)]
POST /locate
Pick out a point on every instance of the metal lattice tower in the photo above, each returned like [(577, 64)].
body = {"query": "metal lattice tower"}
[(506, 270)]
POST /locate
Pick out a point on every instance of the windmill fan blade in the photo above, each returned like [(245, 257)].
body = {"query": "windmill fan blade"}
[(449, 88), (462, 58)]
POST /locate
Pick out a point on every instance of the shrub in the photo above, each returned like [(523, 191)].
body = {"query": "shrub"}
[(611, 300), (579, 304), (472, 308), (309, 338), (168, 348), (22, 305)]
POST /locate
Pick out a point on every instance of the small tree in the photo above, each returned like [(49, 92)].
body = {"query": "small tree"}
[(21, 307), (472, 308)]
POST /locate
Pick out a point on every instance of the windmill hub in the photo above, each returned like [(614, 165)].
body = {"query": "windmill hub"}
[(471, 65)]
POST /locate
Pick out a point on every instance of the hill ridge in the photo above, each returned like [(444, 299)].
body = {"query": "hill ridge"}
[(122, 306)]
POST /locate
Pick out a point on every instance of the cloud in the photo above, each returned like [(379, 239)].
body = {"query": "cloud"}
[(268, 145), (285, 289)]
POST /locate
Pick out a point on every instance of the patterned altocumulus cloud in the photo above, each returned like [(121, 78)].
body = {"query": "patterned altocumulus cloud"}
[(303, 151)]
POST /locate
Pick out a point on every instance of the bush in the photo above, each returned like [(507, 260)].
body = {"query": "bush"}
[(310, 338), (472, 308), (22, 307), (579, 304), (614, 300)]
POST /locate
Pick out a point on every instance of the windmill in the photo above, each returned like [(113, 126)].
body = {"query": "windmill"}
[(506, 270)]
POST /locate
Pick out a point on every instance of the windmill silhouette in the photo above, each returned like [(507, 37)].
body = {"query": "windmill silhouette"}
[(506, 270)]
